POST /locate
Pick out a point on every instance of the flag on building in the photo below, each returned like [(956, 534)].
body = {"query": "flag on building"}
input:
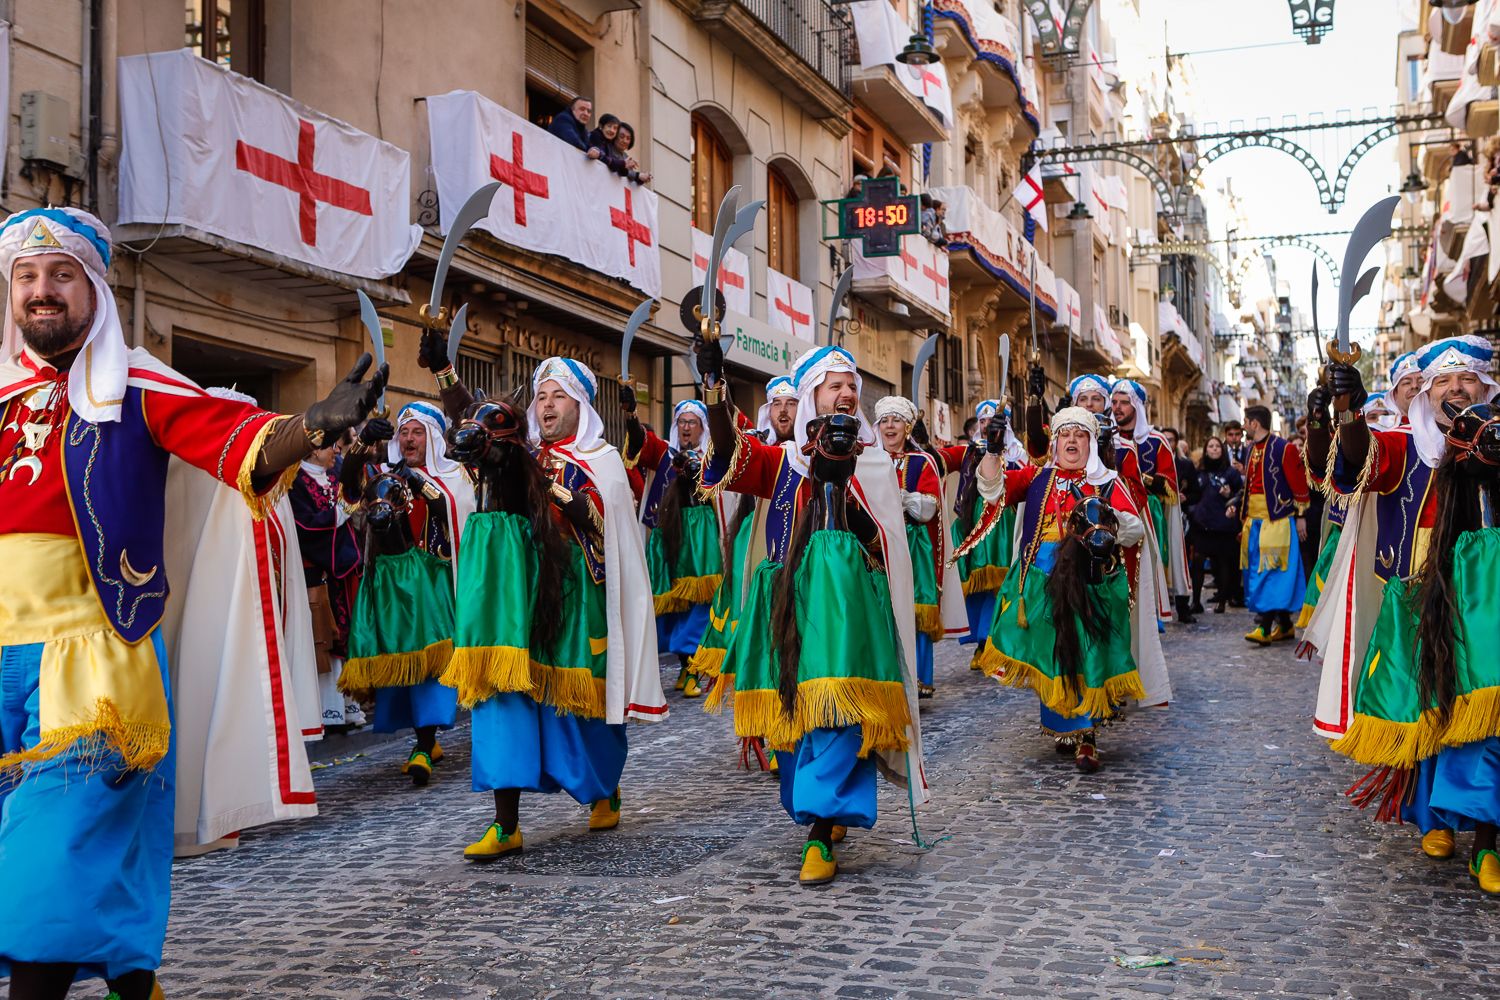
[(734, 272), (1028, 195), (789, 306)]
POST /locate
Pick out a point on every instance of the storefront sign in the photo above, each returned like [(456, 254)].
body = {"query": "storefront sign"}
[(760, 348)]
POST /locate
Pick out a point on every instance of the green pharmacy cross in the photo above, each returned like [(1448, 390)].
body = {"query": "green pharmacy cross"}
[(880, 215)]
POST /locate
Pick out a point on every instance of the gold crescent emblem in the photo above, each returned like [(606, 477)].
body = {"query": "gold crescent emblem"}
[(133, 576), (29, 462)]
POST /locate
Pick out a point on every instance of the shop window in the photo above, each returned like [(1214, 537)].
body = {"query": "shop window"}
[(781, 213), (713, 173), (478, 372), (231, 33)]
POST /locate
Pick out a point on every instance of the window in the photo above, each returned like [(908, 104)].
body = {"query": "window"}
[(949, 385), (231, 33), (713, 173), (862, 142), (555, 73), (781, 213), (478, 372)]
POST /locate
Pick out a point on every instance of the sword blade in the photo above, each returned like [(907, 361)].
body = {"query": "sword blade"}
[(840, 292), (924, 355), (640, 315), (456, 332), (1373, 226), (371, 320), (1004, 362), (722, 222), (475, 208)]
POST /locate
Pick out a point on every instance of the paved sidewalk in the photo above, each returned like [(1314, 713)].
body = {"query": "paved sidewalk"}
[(1215, 834)]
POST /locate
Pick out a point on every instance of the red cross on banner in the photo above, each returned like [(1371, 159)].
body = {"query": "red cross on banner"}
[(908, 261), (299, 176), (789, 311), (939, 281), (928, 77), (635, 230), (726, 276), (523, 182)]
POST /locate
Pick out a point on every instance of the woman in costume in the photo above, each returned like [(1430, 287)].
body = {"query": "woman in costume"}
[(1063, 619), (921, 496), (401, 632)]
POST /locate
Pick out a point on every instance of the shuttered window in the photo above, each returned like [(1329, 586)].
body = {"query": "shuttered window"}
[(552, 64), (781, 214), (713, 172)]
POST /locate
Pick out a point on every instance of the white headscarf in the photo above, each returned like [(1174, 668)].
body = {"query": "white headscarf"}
[(577, 381), (780, 387), (809, 372), (1090, 383), (435, 424), (895, 406), (698, 410), (1137, 394), (1468, 353), (96, 380), (1094, 471), (1380, 411)]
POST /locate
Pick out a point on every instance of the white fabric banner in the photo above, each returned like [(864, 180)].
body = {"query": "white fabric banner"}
[(553, 198), (217, 151), (882, 34), (734, 272), (1069, 307), (973, 222), (921, 268), (789, 306), (1104, 335)]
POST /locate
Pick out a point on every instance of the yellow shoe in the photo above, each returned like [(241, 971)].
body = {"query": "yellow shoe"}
[(818, 864), (1280, 633), (495, 843), (691, 688), (1258, 636), (419, 767), (775, 767), (606, 814), (1486, 868), (974, 660), (156, 993), (437, 751), (1438, 844), (837, 836), (682, 679)]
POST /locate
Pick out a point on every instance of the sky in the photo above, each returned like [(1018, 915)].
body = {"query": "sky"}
[(1353, 69)]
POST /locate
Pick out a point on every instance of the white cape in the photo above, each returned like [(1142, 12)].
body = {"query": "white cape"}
[(1145, 637), (239, 643), (632, 686), (1344, 619)]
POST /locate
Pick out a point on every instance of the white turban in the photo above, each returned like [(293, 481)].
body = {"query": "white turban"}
[(1089, 383), (898, 406), (1137, 394), (432, 420), (96, 380), (578, 382), (780, 387), (808, 373), (694, 408), (985, 408), (1468, 353), (1076, 416)]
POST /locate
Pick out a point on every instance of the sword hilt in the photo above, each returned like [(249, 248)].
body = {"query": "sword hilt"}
[(1348, 357), (430, 320), (708, 327)]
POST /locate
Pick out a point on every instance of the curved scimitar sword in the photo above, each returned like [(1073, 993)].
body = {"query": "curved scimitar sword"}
[(474, 209), (924, 355), (456, 332), (371, 319), (641, 314), (722, 222), (840, 293), (1005, 361), (1317, 337), (1363, 285), (1373, 226)]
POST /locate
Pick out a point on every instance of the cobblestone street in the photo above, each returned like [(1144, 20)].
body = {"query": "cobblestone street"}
[(1216, 834)]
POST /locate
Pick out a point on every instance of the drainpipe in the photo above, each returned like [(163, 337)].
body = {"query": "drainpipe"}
[(138, 305), (91, 111)]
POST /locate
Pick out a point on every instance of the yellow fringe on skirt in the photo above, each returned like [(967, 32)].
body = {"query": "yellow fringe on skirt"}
[(707, 661), (686, 592), (1377, 742), (479, 672), (396, 669), (984, 579), (879, 708), (1096, 702), (574, 690), (106, 739), (720, 695), (930, 621)]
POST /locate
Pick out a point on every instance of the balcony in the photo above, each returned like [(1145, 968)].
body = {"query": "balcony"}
[(986, 248), (912, 287), (992, 41), (915, 101), (801, 46)]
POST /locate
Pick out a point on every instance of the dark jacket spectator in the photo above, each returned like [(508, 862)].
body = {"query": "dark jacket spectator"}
[(624, 141), (602, 139), (1214, 527), (572, 125)]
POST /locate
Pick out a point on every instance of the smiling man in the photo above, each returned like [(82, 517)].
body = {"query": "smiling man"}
[(86, 756)]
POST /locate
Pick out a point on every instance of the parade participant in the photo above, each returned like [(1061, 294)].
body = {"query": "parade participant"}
[(1091, 392), (1276, 499), (921, 496), (683, 585), (773, 421), (1148, 467), (1389, 479), (1425, 706), (820, 665), (86, 756), (1380, 413), (401, 632), (1063, 623), (552, 683), (1406, 381), (330, 562), (982, 569)]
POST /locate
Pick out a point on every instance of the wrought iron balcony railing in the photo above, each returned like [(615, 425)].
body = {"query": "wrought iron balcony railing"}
[(818, 34)]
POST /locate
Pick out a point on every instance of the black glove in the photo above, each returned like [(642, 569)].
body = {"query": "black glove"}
[(994, 434), (627, 397), (432, 351), (1036, 381), (376, 430), (919, 433), (710, 360), (575, 509), (349, 402), (1318, 401), (1343, 380)]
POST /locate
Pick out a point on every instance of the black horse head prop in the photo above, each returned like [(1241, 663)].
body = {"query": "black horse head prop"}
[(387, 501), (1475, 434), (688, 466), (487, 428), (1094, 523), (832, 446)]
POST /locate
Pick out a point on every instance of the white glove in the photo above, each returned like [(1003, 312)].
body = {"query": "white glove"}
[(1132, 530), (919, 506)]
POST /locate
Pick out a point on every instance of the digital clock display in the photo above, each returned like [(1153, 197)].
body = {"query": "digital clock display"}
[(879, 215), (870, 216)]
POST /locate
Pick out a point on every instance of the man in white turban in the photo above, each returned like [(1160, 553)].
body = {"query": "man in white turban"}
[(86, 764)]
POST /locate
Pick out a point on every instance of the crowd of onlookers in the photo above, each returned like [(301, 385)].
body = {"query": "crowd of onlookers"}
[(609, 143)]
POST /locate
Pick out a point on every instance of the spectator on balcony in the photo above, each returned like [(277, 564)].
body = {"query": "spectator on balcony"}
[(624, 141), (602, 139), (933, 227), (572, 125)]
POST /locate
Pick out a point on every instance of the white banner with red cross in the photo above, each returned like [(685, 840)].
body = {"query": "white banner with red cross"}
[(553, 199), (921, 268), (734, 271), (216, 151), (789, 306)]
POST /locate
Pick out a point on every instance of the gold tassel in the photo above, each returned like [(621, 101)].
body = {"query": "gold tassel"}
[(707, 662), (687, 591), (879, 708), (721, 695), (261, 503), (1021, 612), (929, 621), (985, 579)]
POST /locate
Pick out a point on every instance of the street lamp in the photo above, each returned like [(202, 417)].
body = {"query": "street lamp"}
[(918, 52), (1080, 212), (1311, 19), (1413, 186)]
